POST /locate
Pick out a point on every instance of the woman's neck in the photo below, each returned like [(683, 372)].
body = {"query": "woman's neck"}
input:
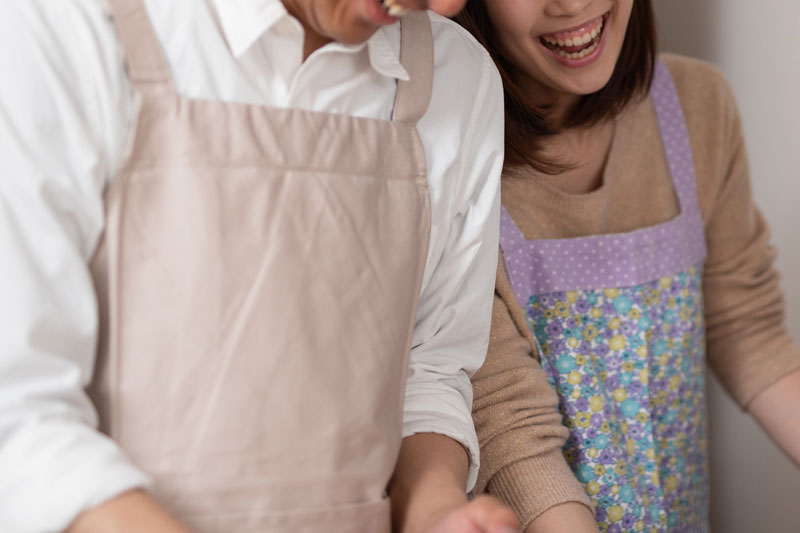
[(585, 150)]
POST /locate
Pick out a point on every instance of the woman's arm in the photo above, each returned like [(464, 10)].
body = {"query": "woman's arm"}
[(519, 427), (777, 409)]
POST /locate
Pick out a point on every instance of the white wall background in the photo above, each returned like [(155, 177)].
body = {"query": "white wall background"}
[(755, 489)]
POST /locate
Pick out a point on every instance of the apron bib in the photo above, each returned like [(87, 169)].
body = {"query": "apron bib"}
[(619, 323), (258, 282)]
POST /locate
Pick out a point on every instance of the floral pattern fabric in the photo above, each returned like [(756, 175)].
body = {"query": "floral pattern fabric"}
[(629, 368)]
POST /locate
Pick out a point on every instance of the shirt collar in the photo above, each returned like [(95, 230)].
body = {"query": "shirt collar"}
[(244, 22)]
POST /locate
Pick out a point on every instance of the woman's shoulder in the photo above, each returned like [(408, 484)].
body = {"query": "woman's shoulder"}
[(703, 89)]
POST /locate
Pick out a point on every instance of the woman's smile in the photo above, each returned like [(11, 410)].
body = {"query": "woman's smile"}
[(579, 45)]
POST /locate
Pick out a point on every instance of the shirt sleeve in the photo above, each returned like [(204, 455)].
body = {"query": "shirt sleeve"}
[(749, 347), (452, 328), (55, 154)]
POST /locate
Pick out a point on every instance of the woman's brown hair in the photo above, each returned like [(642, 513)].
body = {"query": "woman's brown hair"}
[(526, 123)]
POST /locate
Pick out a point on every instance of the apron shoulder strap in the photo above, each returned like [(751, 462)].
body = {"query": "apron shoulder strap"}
[(146, 63), (675, 137), (416, 55)]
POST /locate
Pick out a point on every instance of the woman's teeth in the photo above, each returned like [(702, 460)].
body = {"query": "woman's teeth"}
[(393, 8), (575, 45)]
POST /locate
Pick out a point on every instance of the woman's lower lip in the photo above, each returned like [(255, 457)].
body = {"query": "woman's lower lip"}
[(377, 15), (585, 60)]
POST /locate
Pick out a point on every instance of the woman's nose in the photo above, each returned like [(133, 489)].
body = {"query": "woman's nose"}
[(566, 8)]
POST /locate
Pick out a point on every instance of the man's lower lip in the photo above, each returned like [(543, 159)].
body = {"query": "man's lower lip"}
[(378, 15)]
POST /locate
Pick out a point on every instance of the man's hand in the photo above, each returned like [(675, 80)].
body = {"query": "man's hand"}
[(485, 514), (428, 491), (132, 512), (571, 516)]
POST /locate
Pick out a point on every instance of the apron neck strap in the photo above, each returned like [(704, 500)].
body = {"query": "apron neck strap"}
[(146, 63), (416, 55)]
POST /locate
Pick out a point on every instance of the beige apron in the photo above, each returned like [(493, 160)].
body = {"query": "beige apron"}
[(258, 282)]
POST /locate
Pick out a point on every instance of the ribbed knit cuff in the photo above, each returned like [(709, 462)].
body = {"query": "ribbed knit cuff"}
[(534, 485), (762, 368)]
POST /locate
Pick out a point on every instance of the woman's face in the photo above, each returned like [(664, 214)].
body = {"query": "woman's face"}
[(562, 48)]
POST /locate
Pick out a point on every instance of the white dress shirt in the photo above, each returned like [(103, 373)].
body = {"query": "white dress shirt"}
[(65, 111)]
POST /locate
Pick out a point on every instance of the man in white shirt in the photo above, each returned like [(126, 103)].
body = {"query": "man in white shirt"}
[(68, 99)]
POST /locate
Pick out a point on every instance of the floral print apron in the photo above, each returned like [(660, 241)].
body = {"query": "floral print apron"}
[(619, 322)]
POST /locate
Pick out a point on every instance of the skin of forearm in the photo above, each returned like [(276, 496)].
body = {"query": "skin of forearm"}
[(573, 517), (777, 410), (131, 512), (429, 480)]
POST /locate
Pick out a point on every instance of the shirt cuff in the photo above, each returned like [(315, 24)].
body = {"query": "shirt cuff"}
[(63, 468), (534, 485), (443, 411)]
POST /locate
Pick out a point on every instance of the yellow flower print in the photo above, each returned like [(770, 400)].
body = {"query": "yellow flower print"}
[(627, 366), (671, 302), (671, 483), (620, 394), (640, 469), (634, 314), (592, 487), (615, 513), (624, 427), (630, 447), (592, 453), (642, 351), (674, 383), (685, 313), (615, 489), (596, 312), (573, 343), (603, 375), (582, 420), (568, 455), (614, 323), (617, 343), (644, 375), (663, 360), (641, 417), (572, 297), (650, 454), (590, 332), (574, 377), (548, 314), (611, 293), (665, 283), (576, 394), (654, 477), (605, 427), (596, 403), (580, 360), (599, 470), (562, 309), (639, 525)]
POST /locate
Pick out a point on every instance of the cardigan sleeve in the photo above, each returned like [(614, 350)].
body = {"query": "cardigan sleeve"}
[(748, 346), (516, 416)]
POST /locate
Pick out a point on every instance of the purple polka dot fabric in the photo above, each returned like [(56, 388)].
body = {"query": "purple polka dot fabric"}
[(622, 259)]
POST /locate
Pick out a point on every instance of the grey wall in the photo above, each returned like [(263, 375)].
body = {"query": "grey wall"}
[(757, 45)]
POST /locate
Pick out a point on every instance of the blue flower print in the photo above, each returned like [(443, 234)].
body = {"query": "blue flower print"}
[(565, 364)]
